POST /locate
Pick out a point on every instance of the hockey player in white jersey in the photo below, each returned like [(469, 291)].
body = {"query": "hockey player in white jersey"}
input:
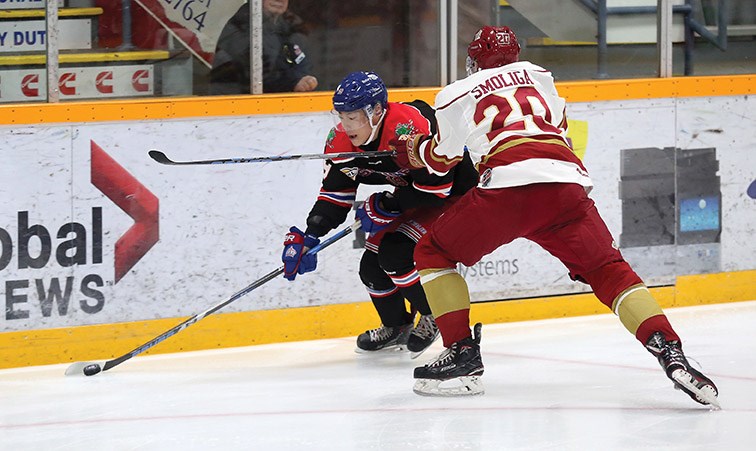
[(509, 115)]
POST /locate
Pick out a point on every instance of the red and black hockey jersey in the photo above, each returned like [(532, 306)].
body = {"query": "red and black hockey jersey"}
[(413, 188)]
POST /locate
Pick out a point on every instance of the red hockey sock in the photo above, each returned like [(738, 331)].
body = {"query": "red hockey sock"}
[(656, 323), (454, 326)]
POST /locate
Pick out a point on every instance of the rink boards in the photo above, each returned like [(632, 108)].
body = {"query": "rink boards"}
[(103, 249)]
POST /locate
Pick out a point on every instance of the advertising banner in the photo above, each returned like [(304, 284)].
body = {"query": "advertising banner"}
[(94, 231), (87, 82), (197, 24), (31, 35), (26, 4)]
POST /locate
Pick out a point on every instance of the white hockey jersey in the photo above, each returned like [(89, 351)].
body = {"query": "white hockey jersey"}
[(512, 121)]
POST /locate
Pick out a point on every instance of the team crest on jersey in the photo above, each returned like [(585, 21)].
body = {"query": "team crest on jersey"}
[(330, 138), (405, 129), (351, 172)]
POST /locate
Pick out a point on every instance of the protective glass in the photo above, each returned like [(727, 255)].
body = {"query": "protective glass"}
[(470, 66)]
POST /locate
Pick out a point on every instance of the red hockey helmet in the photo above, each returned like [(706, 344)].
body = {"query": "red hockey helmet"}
[(492, 47)]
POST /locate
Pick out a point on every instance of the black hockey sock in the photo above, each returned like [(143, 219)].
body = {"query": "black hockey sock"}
[(416, 297), (392, 309)]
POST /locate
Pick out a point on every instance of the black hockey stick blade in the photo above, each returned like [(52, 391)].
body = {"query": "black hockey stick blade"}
[(162, 158), (92, 368)]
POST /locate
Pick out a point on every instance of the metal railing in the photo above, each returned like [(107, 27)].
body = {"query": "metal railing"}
[(602, 11)]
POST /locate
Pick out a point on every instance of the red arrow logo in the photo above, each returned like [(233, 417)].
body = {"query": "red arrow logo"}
[(135, 200)]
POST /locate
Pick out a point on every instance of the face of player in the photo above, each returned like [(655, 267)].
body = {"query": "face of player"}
[(357, 124), (275, 7)]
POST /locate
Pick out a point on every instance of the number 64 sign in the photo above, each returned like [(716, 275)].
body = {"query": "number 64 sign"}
[(197, 24)]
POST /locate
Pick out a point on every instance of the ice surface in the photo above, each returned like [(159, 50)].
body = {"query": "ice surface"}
[(566, 384)]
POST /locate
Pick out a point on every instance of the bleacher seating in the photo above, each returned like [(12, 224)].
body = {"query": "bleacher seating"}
[(85, 70)]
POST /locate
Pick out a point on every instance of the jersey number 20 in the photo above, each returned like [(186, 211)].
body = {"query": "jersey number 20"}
[(523, 97)]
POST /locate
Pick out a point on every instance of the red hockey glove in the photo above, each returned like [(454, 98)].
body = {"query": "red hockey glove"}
[(373, 216), (295, 259), (407, 149)]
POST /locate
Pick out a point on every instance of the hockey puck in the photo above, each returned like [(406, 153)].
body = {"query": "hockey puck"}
[(91, 370)]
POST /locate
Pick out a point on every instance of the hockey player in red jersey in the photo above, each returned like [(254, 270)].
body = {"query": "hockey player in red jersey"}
[(511, 118), (394, 220)]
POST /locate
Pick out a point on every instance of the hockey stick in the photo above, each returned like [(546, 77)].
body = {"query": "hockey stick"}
[(162, 158), (92, 368)]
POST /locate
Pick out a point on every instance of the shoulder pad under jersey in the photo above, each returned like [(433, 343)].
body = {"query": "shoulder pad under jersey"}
[(402, 119)]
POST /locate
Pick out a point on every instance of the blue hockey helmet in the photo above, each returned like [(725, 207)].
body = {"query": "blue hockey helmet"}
[(360, 90)]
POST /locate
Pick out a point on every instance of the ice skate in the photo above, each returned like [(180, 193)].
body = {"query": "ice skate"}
[(671, 358), (384, 339), (456, 372), (422, 336)]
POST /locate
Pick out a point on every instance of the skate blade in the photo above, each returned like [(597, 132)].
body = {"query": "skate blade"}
[(460, 386), (705, 395), (416, 354), (393, 349)]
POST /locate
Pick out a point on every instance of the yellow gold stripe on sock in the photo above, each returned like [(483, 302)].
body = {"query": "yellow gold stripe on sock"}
[(618, 301), (635, 305), (445, 289), (428, 275)]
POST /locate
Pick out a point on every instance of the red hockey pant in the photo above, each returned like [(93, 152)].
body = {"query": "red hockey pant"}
[(557, 216)]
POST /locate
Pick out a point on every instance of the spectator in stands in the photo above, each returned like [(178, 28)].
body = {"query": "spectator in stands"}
[(286, 67)]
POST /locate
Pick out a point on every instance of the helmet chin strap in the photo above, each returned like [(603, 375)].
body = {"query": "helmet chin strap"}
[(373, 128)]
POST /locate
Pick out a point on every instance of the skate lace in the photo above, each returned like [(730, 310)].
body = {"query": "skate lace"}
[(380, 333), (444, 358), (672, 354), (696, 362), (426, 327)]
